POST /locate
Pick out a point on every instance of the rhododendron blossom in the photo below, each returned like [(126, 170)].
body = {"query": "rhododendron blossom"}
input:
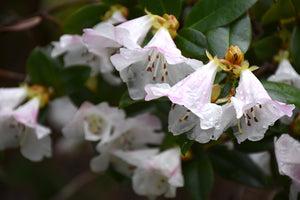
[(255, 109), (160, 61)]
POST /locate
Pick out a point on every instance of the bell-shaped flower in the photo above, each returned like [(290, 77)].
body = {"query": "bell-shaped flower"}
[(193, 92), (255, 109), (20, 127), (182, 120), (76, 53), (287, 152), (285, 73), (160, 61), (130, 134), (93, 122), (155, 175), (105, 39)]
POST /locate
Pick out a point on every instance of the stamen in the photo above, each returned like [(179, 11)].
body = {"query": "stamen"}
[(157, 56), (260, 106), (248, 116), (184, 117), (149, 58), (251, 109), (255, 119), (248, 123), (165, 65), (166, 73), (154, 78), (149, 69), (162, 78), (153, 64), (173, 105), (239, 126)]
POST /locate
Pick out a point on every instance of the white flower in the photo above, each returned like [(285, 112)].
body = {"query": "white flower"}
[(287, 152), (182, 120), (158, 62), (193, 92), (285, 73), (156, 174), (19, 127), (130, 134), (105, 39), (93, 122), (255, 109)]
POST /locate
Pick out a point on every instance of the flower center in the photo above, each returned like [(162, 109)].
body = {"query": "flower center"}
[(95, 124), (156, 60), (249, 117)]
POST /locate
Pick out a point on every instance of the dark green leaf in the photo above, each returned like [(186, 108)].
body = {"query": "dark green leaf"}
[(74, 77), (161, 7), (168, 142), (198, 177), (282, 9), (271, 43), (126, 100), (226, 90), (283, 92), (208, 14), (237, 166), (191, 42), (184, 143), (258, 146), (42, 70), (295, 45), (85, 17), (237, 33)]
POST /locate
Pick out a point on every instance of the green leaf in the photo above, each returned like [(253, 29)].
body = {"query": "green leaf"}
[(209, 14), (283, 92), (295, 45), (237, 33), (42, 70), (198, 177), (265, 144), (74, 77), (184, 143), (191, 42), (126, 100), (86, 17), (168, 142), (237, 166), (271, 43), (282, 9), (161, 7)]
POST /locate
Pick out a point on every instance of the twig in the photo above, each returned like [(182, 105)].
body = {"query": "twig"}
[(74, 185), (12, 75)]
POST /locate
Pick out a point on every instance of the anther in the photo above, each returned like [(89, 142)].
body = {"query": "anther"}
[(185, 118), (255, 119), (149, 58), (166, 73), (157, 56), (149, 69), (248, 116), (259, 105), (248, 123), (173, 105), (165, 65), (153, 65), (154, 78), (162, 78), (251, 109)]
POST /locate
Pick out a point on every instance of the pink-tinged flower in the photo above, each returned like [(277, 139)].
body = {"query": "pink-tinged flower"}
[(182, 120), (130, 134), (158, 62), (93, 122), (255, 109), (20, 127), (285, 73), (287, 152), (193, 92), (156, 174), (105, 39)]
